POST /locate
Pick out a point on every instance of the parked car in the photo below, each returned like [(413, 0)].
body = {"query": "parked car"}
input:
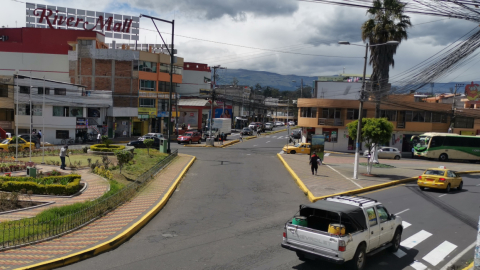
[(158, 135), (297, 134), (301, 148), (279, 124), (139, 143), (247, 131), (342, 229), (439, 178), (269, 126), (291, 123), (35, 139), (386, 152), (190, 137), (22, 144)]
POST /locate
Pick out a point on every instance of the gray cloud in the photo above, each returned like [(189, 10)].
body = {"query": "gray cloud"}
[(214, 9)]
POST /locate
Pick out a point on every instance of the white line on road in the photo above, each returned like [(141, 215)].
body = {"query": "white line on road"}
[(326, 154), (478, 185), (459, 255), (415, 239), (399, 253), (402, 211), (345, 176), (405, 224), (442, 195), (267, 141), (435, 256), (418, 265), (255, 144)]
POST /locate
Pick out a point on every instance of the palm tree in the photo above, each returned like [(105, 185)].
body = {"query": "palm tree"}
[(387, 22)]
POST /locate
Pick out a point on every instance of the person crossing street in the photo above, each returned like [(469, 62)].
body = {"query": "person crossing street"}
[(314, 162)]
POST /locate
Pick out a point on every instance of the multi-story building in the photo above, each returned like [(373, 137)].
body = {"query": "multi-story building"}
[(195, 79)]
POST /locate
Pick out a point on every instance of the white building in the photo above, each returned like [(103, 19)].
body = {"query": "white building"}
[(64, 111)]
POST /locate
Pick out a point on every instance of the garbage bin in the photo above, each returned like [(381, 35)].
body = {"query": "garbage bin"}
[(163, 146), (32, 172), (210, 141)]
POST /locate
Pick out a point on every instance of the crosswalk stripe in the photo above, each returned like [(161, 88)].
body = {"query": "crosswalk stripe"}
[(399, 253), (418, 265), (435, 256), (415, 239), (405, 224)]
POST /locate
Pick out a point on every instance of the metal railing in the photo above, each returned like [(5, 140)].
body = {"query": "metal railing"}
[(33, 230)]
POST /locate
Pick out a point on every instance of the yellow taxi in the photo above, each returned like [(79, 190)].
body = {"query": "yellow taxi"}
[(440, 178), (302, 148), (22, 144)]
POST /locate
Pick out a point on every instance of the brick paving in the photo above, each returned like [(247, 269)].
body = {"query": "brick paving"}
[(96, 187), (101, 230), (336, 174)]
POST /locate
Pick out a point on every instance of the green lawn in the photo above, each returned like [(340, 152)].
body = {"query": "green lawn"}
[(141, 163), (73, 158)]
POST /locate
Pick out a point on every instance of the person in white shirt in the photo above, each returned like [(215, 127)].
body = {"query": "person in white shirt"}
[(98, 138)]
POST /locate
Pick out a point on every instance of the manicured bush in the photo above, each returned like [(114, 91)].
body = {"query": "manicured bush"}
[(58, 185), (104, 148)]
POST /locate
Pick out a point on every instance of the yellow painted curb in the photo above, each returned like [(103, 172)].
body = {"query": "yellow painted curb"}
[(119, 239), (467, 172), (192, 145), (470, 266), (333, 152), (302, 186), (230, 143)]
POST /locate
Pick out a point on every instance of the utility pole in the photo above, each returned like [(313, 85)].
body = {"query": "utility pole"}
[(453, 104), (43, 121), (213, 96), (359, 124), (301, 88), (16, 120), (31, 112), (288, 124)]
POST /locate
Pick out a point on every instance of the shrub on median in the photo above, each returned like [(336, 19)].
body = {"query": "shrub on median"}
[(105, 148), (57, 185)]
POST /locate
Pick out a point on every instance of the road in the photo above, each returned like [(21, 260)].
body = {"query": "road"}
[(229, 211)]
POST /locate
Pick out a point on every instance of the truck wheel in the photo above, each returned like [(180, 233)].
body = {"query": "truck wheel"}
[(443, 157), (359, 258), (301, 257), (397, 237)]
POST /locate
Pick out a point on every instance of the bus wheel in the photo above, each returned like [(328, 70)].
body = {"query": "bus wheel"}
[(443, 157)]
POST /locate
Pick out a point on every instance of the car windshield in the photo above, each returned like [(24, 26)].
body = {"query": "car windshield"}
[(434, 172), (188, 134), (5, 141), (297, 145)]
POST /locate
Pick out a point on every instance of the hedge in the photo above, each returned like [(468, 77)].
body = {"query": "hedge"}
[(16, 184), (103, 148)]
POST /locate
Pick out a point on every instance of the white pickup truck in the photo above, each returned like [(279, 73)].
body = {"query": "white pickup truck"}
[(342, 229)]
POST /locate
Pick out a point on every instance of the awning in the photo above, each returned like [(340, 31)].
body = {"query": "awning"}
[(241, 119)]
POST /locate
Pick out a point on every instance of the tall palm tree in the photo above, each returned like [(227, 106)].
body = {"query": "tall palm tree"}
[(387, 22)]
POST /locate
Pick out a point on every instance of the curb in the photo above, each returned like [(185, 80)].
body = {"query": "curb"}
[(192, 145), (230, 143), (119, 239), (302, 186), (342, 153), (470, 266)]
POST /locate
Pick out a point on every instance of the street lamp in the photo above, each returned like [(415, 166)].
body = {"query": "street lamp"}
[(359, 126)]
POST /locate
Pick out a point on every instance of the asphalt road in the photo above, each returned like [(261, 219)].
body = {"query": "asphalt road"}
[(229, 211)]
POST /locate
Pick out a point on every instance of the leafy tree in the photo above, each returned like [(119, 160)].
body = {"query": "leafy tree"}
[(123, 157), (106, 140), (148, 143), (374, 131), (387, 22)]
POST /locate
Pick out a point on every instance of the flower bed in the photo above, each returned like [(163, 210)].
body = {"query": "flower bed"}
[(104, 148), (12, 166), (56, 185)]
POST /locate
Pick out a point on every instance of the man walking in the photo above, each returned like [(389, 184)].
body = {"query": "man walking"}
[(39, 135), (314, 161), (63, 153), (98, 138), (241, 136), (222, 138)]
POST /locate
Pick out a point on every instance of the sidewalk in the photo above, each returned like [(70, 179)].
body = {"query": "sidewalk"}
[(336, 174), (105, 233)]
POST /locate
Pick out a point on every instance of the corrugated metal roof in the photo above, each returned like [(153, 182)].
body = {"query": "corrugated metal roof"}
[(194, 102)]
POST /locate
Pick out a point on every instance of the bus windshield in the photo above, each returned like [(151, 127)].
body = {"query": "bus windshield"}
[(420, 143)]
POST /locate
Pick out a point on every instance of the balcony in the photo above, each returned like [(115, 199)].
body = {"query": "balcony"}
[(330, 122)]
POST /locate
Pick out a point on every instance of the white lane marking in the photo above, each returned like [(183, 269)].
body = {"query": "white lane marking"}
[(478, 185), (459, 255), (326, 155), (415, 239), (248, 154), (274, 136), (442, 195), (418, 265), (405, 224), (435, 256), (268, 142), (255, 145), (399, 253), (402, 211), (281, 152), (345, 176)]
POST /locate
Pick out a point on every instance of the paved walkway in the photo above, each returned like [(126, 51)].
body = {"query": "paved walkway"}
[(336, 174), (96, 187), (101, 230)]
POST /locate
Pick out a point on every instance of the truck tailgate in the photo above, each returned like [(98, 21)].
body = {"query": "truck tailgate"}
[(308, 237)]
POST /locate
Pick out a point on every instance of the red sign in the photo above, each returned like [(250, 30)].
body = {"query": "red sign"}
[(53, 18), (472, 91)]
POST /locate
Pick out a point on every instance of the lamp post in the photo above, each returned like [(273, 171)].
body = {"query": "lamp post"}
[(360, 109)]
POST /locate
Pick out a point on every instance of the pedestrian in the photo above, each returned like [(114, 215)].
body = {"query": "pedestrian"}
[(39, 134), (222, 137), (413, 152), (63, 153), (241, 136), (314, 161), (98, 138)]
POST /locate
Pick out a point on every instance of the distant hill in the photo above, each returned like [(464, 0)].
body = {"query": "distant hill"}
[(264, 78)]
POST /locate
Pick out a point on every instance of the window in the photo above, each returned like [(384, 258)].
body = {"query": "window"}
[(331, 134), (37, 110), (463, 122), (382, 213), (3, 90), (147, 85), (60, 91), (93, 112), (147, 102), (165, 68), (76, 111), (40, 91), (24, 90), (331, 113), (61, 134), (60, 111), (147, 66), (6, 115), (418, 116), (372, 216), (162, 105), (352, 114), (308, 112), (165, 87), (23, 109), (389, 114)]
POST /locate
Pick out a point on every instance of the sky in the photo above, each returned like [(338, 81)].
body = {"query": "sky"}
[(232, 33)]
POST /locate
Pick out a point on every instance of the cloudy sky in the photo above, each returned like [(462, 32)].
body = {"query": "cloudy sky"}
[(205, 27)]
